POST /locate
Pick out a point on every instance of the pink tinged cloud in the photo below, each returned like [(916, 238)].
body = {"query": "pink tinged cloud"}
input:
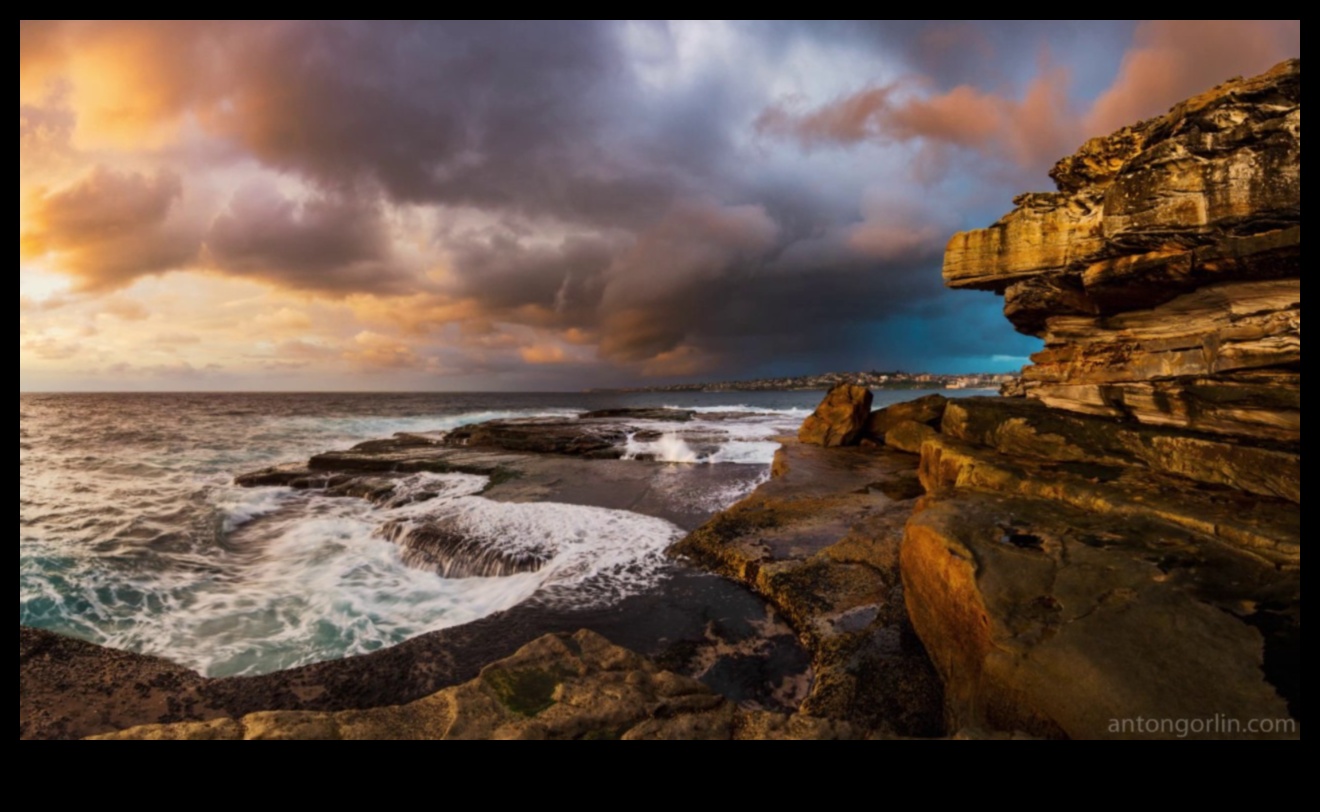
[(1168, 61), (1017, 130), (1173, 59)]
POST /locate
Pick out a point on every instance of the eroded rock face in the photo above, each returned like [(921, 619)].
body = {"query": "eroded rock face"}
[(576, 686), (840, 418), (1022, 427), (1165, 272), (1125, 541), (1061, 622)]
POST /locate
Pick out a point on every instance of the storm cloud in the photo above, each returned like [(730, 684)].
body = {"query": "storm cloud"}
[(609, 200), (325, 242)]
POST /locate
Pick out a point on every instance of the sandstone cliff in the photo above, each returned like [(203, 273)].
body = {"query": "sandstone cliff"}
[(1124, 542), (1165, 273)]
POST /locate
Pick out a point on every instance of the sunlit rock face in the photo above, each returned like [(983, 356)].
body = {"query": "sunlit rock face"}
[(840, 419), (1124, 542), (1165, 273)]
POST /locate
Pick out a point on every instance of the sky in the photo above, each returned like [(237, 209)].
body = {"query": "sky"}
[(548, 206)]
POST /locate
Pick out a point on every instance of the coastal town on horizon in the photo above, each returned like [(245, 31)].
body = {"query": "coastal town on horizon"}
[(872, 379)]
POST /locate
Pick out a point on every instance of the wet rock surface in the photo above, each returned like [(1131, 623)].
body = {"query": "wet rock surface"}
[(550, 435), (676, 415), (698, 625), (820, 541)]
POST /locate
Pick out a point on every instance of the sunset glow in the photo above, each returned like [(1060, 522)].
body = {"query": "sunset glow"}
[(303, 206)]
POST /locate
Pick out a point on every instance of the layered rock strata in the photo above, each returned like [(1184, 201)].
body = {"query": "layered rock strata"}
[(1165, 273), (1124, 543)]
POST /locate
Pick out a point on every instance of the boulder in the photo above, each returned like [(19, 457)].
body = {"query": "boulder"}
[(928, 410), (839, 419)]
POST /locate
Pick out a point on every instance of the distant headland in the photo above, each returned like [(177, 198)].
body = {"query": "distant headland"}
[(872, 379)]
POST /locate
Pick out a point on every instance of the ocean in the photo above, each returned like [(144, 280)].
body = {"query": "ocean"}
[(132, 533)]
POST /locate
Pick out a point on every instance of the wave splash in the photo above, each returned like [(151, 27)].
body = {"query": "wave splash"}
[(300, 577)]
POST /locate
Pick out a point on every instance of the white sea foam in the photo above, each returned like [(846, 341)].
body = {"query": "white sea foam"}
[(305, 577), (748, 452), (596, 554), (669, 448), (743, 407), (746, 440), (238, 506)]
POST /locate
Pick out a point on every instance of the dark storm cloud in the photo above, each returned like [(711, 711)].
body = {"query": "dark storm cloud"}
[(997, 54), (327, 242), (514, 117), (557, 285)]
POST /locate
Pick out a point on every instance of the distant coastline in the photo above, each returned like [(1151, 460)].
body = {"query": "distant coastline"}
[(872, 379)]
